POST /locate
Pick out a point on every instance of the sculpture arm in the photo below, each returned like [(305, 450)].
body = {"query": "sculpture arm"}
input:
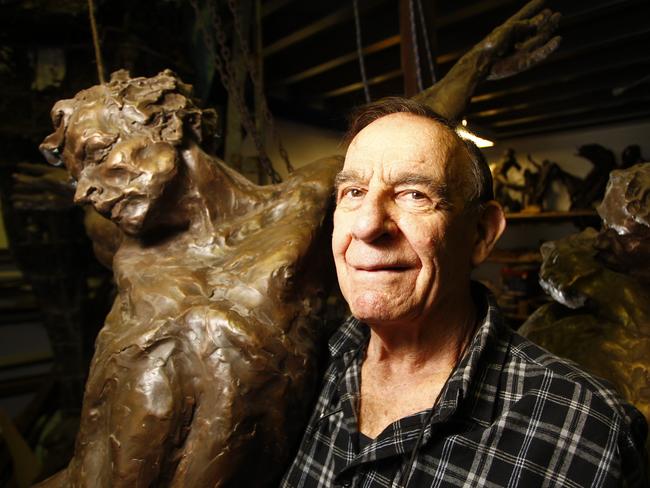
[(41, 187), (520, 43), (105, 235)]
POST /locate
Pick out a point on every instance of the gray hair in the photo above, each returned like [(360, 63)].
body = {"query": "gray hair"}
[(482, 189)]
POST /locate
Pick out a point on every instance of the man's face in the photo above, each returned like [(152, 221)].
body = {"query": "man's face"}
[(401, 243)]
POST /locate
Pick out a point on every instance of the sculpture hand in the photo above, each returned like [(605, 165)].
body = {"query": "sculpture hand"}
[(523, 41)]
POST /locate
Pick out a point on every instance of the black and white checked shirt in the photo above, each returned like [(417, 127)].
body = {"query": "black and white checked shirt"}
[(510, 415)]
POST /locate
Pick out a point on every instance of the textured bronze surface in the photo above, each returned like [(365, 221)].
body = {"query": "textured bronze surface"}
[(203, 371), (521, 42), (207, 359), (601, 284)]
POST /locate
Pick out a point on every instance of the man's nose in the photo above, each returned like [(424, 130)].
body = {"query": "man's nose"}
[(373, 219)]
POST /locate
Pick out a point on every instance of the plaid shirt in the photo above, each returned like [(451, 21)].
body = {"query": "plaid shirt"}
[(511, 414)]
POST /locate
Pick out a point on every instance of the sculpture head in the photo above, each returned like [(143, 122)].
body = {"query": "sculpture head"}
[(569, 266), (573, 266), (624, 244), (120, 142)]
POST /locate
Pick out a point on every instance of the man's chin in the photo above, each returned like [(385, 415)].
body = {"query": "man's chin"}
[(376, 308)]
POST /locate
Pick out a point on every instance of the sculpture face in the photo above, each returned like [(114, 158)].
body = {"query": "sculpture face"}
[(119, 164), (400, 242), (128, 185)]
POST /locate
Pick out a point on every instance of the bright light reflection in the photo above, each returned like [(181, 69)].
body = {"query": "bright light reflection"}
[(479, 141)]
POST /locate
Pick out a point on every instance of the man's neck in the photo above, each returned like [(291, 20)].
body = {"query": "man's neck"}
[(405, 369), (432, 340)]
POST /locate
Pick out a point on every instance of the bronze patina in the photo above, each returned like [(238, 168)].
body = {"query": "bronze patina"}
[(600, 282)]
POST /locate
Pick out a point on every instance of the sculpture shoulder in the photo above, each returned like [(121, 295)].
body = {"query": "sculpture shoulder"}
[(323, 170)]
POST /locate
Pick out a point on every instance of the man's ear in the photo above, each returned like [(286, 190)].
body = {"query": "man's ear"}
[(491, 224)]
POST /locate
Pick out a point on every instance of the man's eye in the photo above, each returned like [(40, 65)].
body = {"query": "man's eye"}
[(413, 195), (416, 195), (352, 193)]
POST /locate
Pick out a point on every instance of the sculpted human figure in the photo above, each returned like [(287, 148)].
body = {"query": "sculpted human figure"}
[(209, 349), (600, 282), (205, 366)]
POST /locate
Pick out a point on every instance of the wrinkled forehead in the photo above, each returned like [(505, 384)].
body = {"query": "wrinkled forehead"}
[(400, 139)]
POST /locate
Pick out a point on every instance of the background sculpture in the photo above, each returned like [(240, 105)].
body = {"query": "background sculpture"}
[(601, 284), (503, 185), (208, 357)]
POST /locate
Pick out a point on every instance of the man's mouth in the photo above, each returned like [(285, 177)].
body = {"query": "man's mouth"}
[(382, 267)]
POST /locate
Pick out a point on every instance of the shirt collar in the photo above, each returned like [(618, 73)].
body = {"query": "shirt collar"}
[(487, 332)]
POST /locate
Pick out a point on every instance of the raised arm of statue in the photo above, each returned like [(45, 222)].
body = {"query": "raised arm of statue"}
[(523, 41)]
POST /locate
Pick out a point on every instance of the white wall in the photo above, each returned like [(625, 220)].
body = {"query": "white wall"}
[(304, 144)]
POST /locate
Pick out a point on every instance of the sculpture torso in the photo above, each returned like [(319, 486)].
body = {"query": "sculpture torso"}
[(211, 343)]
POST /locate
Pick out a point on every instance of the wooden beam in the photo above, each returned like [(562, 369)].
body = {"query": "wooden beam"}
[(338, 61), (569, 112), (359, 85), (271, 6), (24, 384), (27, 359), (337, 17), (478, 8), (430, 14), (575, 123), (570, 91), (407, 57)]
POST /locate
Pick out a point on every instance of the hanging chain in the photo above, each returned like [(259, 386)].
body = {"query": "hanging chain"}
[(222, 61), (414, 43), (362, 64), (427, 46), (98, 51), (257, 83)]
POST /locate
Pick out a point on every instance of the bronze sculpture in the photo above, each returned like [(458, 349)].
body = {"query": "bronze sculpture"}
[(207, 359), (503, 186), (211, 340), (601, 284)]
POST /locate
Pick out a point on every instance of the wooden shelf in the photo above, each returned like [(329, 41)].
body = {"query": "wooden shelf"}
[(552, 216)]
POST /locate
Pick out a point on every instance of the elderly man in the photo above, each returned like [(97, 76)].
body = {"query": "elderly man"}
[(426, 386)]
